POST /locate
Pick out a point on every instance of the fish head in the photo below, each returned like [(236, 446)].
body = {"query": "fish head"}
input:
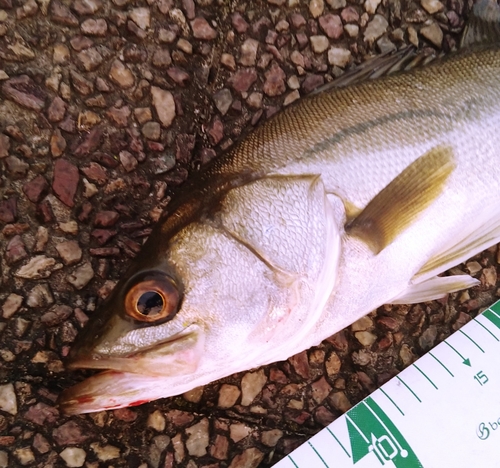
[(208, 302)]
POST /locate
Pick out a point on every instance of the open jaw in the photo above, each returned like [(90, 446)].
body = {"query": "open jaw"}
[(107, 390), (156, 372)]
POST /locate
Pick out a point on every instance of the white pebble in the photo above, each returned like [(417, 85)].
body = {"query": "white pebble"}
[(73, 456)]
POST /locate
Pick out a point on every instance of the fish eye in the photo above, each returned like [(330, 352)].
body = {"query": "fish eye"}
[(153, 297)]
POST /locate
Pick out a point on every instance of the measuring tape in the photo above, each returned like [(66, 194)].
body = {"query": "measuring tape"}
[(442, 411)]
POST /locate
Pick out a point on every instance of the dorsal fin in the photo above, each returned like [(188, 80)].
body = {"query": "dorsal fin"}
[(483, 26), (395, 207), (381, 65)]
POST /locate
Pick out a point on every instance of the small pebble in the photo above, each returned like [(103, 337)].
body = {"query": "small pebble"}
[(128, 161), (412, 36), (473, 267), (331, 25), (251, 385), (141, 16), (65, 182), (203, 30), (74, 457), (24, 455), (156, 420), (38, 267), (69, 227), (243, 79), (248, 52), (428, 338), (228, 61), (406, 355), (228, 395), (275, 81), (8, 402), (121, 75), (40, 296), (239, 23), (69, 433), (333, 364), (271, 437), (316, 8), (432, 6), (81, 276), (376, 27), (320, 390), (291, 97), (352, 30), (69, 251), (151, 131), (489, 277), (340, 401), (198, 438), (362, 324), (433, 33), (239, 431), (336, 4), (293, 82), (105, 452), (371, 6), (366, 338), (250, 458), (61, 54), (164, 104), (385, 45), (339, 57), (94, 27), (255, 100), (11, 305), (319, 44), (87, 7)]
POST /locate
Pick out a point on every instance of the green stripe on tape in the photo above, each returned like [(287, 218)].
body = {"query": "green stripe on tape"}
[(372, 432), (492, 317), (496, 307)]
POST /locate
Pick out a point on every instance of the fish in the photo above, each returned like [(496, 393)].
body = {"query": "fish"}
[(356, 197)]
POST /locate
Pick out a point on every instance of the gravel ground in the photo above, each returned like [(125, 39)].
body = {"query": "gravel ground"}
[(105, 108)]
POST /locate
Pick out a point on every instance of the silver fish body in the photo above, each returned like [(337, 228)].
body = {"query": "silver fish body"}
[(354, 198)]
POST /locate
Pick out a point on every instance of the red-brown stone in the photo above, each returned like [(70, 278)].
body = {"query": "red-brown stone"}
[(65, 181), (36, 188)]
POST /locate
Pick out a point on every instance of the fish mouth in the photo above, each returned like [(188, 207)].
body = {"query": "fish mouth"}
[(109, 390), (179, 353), (136, 378)]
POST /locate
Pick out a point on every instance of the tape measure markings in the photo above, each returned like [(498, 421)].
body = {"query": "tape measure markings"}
[(442, 365), (371, 433), (464, 361), (465, 334), (391, 400), (426, 376), (338, 442), (489, 331), (408, 387), (317, 453)]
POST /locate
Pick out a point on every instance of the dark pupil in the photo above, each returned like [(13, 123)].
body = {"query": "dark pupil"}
[(150, 303)]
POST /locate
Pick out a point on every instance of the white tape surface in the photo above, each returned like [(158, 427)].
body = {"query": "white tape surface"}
[(442, 411)]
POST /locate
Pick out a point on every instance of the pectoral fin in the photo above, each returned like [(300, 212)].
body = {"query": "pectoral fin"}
[(434, 288), (400, 203)]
